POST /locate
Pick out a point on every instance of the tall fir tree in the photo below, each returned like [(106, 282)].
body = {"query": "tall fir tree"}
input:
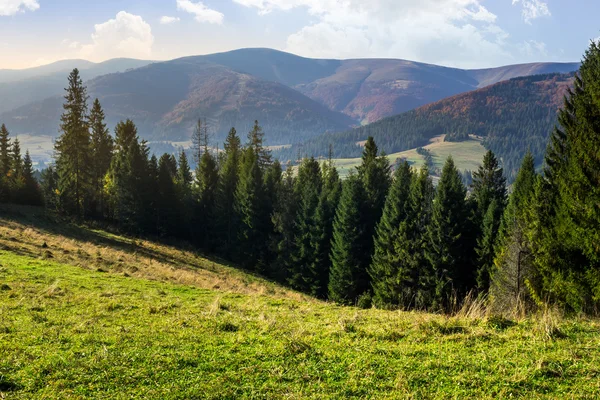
[(386, 267), (256, 139), (514, 259), (207, 180), (252, 234), (5, 163), (348, 277), (73, 150), (488, 192), (30, 193), (129, 181), (282, 242), (374, 173), (101, 152), (448, 249), (414, 269), (308, 188), (168, 209), (16, 180), (324, 216), (228, 182)]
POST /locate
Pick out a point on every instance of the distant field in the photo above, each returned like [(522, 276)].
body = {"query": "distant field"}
[(467, 155), (89, 314)]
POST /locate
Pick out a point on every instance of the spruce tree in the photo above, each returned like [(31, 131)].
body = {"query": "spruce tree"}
[(486, 246), (414, 270), (102, 151), (374, 173), (514, 263), (16, 181), (488, 187), (252, 234), (30, 193), (448, 250), (348, 278), (73, 150), (284, 216), (324, 216), (130, 185), (308, 189), (5, 163), (385, 269), (256, 139), (228, 181), (168, 203), (207, 180)]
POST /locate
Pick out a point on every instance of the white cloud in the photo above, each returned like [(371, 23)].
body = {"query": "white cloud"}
[(200, 11), (533, 9), (12, 7), (71, 44), (451, 32), (533, 48), (127, 35), (168, 20)]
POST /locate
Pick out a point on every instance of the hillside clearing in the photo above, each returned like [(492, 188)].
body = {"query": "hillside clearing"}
[(467, 156), (69, 330)]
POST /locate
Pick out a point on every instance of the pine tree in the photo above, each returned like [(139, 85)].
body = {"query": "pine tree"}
[(348, 278), (168, 202), (5, 164), (385, 268), (256, 139), (130, 184), (228, 181), (207, 181), (284, 228), (486, 246), (30, 193), (514, 263), (488, 187), (102, 151), (16, 181), (324, 216), (414, 270), (448, 249), (73, 150), (184, 173), (308, 189), (252, 232), (374, 173)]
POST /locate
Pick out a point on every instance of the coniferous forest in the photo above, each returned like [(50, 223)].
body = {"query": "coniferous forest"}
[(386, 236)]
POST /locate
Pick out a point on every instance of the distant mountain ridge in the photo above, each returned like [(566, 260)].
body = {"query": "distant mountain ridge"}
[(294, 98), (21, 87)]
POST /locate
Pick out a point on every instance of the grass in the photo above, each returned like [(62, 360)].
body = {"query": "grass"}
[(70, 331), (467, 155)]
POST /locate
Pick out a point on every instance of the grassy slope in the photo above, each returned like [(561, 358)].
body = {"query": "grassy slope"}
[(70, 331), (467, 156)]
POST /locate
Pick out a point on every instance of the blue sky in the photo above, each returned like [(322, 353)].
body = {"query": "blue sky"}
[(461, 33)]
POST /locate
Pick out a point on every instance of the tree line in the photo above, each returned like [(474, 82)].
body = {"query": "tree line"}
[(385, 236)]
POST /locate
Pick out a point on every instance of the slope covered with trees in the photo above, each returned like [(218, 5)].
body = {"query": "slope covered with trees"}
[(510, 116)]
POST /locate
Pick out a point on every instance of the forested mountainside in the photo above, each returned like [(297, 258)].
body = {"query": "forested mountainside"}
[(511, 117)]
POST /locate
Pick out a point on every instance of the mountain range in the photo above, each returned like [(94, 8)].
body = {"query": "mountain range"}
[(294, 98), (509, 118)]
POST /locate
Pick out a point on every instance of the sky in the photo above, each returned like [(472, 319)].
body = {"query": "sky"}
[(457, 33)]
